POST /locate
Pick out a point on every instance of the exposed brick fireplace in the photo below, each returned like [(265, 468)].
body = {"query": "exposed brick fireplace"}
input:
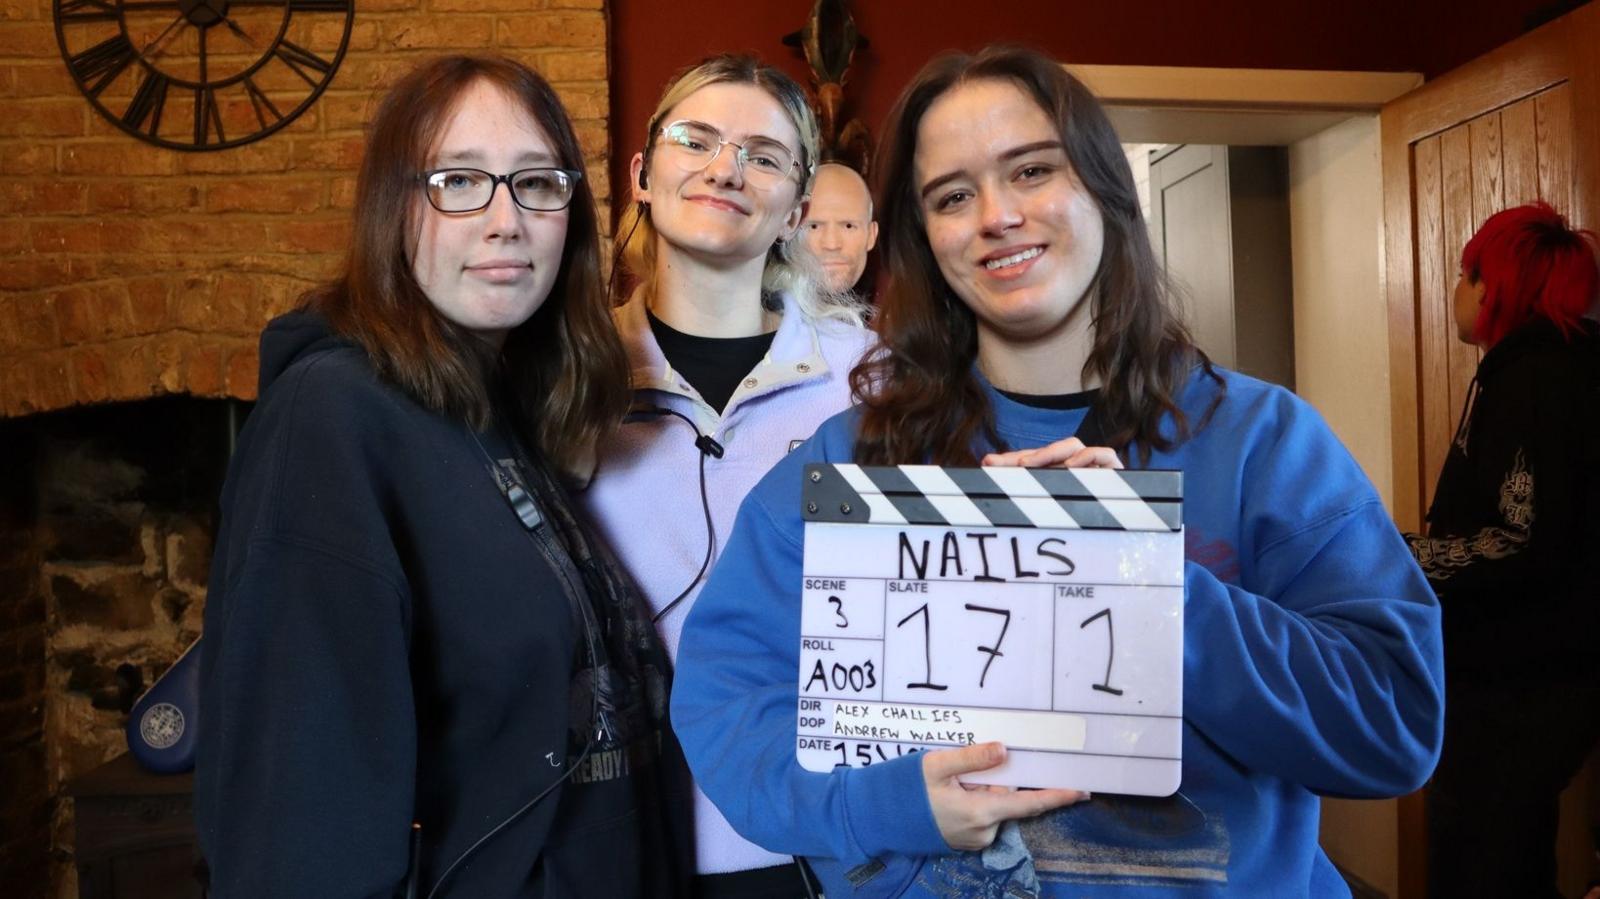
[(133, 282), (108, 533)]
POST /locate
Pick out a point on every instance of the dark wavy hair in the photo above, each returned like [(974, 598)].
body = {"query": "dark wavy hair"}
[(1532, 265), (921, 399), (562, 375)]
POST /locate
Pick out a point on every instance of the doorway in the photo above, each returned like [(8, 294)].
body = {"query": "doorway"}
[(1352, 346)]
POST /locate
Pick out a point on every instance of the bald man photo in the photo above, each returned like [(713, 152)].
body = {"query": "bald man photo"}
[(839, 228)]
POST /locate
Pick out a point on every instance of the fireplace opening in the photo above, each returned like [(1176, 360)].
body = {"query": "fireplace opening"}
[(107, 515)]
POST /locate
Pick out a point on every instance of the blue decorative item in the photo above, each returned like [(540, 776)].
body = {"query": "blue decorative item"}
[(163, 726)]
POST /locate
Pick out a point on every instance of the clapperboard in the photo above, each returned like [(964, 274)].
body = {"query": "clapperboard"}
[(1039, 607)]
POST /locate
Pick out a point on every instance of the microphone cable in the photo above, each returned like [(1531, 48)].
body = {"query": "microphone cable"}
[(524, 508), (707, 447)]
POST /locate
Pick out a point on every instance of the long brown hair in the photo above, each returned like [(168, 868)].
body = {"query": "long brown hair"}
[(921, 400), (563, 373)]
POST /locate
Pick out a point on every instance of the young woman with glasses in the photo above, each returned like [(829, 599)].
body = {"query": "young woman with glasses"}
[(420, 674), (736, 354), (1023, 300)]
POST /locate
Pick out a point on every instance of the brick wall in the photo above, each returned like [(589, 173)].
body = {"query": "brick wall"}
[(129, 271)]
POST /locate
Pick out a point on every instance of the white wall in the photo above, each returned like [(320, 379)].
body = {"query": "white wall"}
[(1139, 160), (1341, 349), (1341, 337)]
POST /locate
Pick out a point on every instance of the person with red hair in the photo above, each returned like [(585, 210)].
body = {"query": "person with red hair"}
[(1510, 549)]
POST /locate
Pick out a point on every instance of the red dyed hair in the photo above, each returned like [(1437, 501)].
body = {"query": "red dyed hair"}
[(1532, 264)]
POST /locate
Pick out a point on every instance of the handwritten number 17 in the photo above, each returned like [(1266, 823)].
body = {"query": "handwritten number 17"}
[(927, 644)]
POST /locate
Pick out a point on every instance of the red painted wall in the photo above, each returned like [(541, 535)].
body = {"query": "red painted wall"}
[(651, 39)]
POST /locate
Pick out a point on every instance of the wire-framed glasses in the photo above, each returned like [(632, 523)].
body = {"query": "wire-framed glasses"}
[(693, 146), (469, 190)]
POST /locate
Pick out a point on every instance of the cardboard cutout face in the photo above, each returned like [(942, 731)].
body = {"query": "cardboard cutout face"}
[(839, 229)]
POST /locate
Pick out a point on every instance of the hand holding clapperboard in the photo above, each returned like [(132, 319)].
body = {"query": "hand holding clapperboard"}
[(1042, 608)]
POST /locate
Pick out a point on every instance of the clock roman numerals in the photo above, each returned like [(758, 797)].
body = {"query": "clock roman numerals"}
[(207, 116), (140, 62), (299, 58), (102, 63), (260, 103), (147, 104), (75, 11)]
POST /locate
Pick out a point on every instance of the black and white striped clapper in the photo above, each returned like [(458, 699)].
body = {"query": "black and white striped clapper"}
[(1039, 607), (1079, 498)]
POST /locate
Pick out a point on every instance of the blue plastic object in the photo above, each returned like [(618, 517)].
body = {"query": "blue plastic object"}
[(163, 727)]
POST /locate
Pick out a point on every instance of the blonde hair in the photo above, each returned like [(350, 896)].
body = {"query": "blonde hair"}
[(790, 270)]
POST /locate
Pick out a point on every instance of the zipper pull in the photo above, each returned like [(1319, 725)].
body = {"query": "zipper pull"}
[(523, 505)]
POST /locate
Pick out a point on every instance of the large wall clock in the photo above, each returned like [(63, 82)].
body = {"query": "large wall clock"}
[(202, 74)]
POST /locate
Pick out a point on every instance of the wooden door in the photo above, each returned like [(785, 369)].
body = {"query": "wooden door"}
[(1517, 124), (1521, 122)]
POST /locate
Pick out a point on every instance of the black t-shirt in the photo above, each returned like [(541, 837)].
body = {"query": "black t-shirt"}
[(712, 365), (1091, 431), (1052, 400)]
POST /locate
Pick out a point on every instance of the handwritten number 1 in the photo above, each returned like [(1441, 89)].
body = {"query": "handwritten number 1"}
[(1111, 653), (927, 651)]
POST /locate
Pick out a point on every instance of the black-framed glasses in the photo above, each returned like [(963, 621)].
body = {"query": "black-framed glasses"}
[(469, 190), (695, 145)]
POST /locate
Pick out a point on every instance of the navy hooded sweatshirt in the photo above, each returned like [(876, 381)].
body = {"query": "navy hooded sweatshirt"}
[(385, 642)]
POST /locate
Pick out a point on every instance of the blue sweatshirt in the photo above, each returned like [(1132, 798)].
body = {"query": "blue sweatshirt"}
[(1312, 666)]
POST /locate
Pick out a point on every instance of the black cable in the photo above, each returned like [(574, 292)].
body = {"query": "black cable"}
[(593, 654), (617, 252), (711, 537), (805, 877), (511, 819), (707, 447)]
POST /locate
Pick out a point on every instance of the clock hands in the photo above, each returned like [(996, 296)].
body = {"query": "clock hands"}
[(158, 44), (230, 23), (161, 39), (148, 43)]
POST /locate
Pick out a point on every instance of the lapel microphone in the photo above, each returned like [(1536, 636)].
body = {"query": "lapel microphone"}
[(706, 445)]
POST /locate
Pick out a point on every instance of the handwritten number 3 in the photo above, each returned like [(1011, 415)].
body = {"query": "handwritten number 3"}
[(838, 609)]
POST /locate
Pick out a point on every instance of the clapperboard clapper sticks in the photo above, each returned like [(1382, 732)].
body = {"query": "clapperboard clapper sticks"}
[(1039, 607)]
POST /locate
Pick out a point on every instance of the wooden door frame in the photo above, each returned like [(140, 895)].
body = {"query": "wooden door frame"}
[(1283, 90), (1175, 104)]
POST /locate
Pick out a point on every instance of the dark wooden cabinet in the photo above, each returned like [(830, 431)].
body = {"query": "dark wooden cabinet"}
[(135, 834)]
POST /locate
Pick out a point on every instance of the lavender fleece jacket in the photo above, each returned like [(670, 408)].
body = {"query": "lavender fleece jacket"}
[(644, 497)]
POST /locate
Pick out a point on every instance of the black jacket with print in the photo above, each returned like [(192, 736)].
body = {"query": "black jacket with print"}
[(1513, 544)]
